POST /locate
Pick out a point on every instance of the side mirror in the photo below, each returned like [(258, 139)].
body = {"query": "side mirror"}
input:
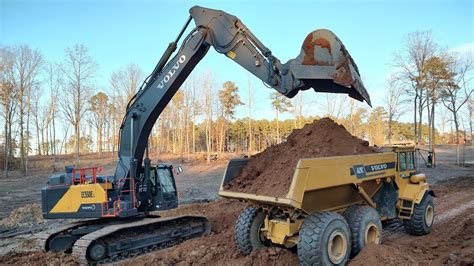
[(179, 169)]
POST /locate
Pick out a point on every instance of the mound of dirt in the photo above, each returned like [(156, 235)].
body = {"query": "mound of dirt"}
[(271, 171), (26, 216), (381, 255)]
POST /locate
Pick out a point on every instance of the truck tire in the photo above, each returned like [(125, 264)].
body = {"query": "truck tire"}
[(324, 239), (365, 225), (247, 233), (422, 218)]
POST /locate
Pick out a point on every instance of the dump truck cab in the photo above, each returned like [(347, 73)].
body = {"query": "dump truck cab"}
[(412, 184), (406, 161)]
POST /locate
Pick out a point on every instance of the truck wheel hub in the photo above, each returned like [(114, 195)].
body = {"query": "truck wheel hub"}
[(429, 215), (372, 234), (337, 247)]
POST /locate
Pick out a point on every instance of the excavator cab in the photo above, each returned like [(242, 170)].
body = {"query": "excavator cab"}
[(163, 188)]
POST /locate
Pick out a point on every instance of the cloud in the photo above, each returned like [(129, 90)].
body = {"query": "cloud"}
[(466, 48)]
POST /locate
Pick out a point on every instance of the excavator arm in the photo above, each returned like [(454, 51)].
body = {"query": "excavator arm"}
[(323, 64)]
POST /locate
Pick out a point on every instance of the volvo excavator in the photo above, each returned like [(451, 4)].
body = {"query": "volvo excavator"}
[(116, 211)]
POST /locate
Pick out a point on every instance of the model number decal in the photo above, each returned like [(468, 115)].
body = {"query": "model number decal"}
[(87, 194)]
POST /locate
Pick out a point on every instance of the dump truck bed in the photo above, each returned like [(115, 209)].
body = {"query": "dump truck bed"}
[(316, 181)]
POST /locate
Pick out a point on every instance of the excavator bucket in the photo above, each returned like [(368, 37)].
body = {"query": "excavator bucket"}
[(325, 65)]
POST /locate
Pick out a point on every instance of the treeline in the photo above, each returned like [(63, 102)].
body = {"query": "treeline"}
[(428, 77), (51, 108)]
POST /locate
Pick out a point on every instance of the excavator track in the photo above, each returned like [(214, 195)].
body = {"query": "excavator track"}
[(46, 236), (127, 240)]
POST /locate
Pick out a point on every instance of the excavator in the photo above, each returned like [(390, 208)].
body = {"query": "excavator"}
[(115, 213)]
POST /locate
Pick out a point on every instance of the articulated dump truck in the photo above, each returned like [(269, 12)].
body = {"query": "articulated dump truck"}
[(335, 205)]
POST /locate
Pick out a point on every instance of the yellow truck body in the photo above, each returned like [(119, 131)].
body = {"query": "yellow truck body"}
[(387, 181), (331, 183)]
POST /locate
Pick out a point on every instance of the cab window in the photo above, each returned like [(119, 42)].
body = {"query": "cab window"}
[(153, 177), (410, 161), (402, 161), (166, 179)]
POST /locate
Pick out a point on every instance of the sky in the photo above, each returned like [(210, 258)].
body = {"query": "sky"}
[(121, 32)]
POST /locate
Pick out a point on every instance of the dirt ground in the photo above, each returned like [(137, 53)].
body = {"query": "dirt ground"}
[(450, 242)]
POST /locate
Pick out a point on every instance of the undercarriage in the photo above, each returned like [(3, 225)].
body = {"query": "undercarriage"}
[(106, 241)]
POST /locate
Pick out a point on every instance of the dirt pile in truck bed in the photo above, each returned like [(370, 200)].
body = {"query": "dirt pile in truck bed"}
[(271, 171)]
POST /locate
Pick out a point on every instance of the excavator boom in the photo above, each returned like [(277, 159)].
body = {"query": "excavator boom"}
[(323, 65)]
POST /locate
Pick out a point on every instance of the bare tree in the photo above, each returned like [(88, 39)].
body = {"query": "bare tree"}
[(78, 70), (419, 47), (393, 103), (7, 100), (208, 100), (53, 76), (458, 92), (352, 110), (125, 83), (26, 66), (470, 114), (196, 105), (335, 105), (250, 96), (443, 121), (299, 107), (35, 98)]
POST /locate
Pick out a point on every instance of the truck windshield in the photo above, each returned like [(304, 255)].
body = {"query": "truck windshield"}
[(402, 161), (406, 161), (166, 179), (410, 161)]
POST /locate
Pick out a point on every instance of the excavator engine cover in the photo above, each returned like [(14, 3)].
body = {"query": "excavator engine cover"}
[(325, 65)]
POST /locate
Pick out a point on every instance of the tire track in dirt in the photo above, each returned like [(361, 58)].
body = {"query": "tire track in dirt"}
[(444, 217)]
